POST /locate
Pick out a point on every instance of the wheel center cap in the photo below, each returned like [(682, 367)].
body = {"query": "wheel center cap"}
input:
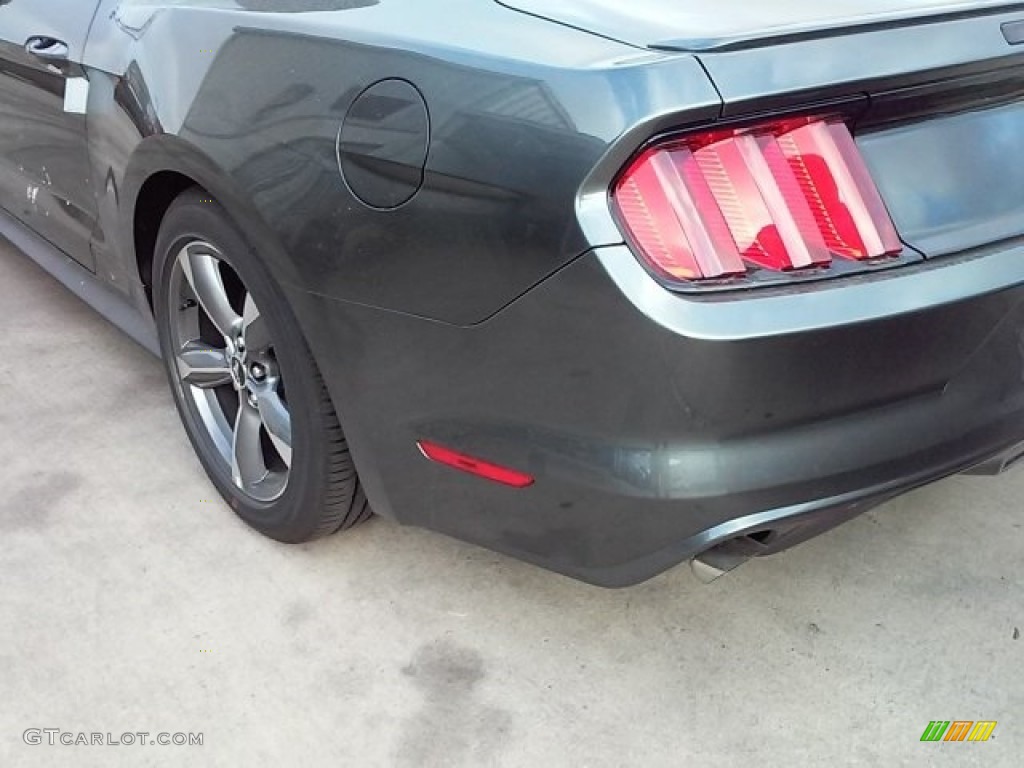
[(238, 373)]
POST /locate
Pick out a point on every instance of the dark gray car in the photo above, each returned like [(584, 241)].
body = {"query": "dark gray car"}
[(605, 286)]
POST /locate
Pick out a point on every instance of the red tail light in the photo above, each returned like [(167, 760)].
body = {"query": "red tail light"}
[(783, 196)]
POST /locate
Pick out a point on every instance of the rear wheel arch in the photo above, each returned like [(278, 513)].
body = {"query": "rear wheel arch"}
[(165, 164), (288, 501), (155, 197), (161, 169)]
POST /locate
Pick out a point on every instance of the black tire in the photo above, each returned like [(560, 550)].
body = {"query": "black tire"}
[(309, 486)]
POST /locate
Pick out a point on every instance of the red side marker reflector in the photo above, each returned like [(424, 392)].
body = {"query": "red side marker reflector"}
[(474, 466)]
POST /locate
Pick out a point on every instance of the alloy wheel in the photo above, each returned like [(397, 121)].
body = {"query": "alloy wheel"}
[(227, 369)]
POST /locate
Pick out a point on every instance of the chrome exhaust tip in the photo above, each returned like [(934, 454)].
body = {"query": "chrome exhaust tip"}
[(713, 564)]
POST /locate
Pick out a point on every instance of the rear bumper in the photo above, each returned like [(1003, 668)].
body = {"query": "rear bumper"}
[(658, 426)]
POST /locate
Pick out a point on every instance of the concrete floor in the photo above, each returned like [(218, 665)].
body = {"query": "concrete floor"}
[(132, 600)]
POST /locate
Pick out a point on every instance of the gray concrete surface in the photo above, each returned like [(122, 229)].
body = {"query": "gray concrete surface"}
[(132, 600)]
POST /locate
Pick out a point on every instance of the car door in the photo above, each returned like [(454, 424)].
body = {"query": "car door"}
[(44, 160)]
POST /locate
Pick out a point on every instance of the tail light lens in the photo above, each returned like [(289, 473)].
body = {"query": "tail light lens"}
[(783, 196)]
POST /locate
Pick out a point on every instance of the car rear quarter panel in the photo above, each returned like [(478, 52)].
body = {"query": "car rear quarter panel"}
[(520, 111)]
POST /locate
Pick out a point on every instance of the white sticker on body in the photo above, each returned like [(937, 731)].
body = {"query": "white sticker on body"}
[(76, 95)]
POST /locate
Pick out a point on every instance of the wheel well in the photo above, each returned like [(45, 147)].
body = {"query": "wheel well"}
[(155, 197)]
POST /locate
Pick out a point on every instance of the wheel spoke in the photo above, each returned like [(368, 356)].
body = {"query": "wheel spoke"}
[(203, 366), (278, 422), (254, 327), (202, 270), (247, 465)]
